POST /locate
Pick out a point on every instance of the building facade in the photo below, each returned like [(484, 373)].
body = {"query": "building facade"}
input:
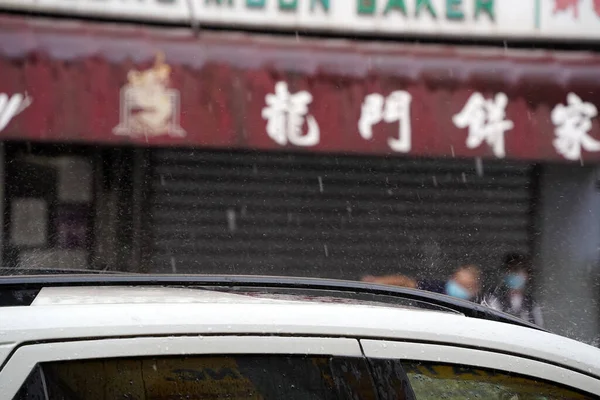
[(163, 148)]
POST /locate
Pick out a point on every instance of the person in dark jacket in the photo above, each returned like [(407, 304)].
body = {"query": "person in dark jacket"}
[(465, 283), (513, 294)]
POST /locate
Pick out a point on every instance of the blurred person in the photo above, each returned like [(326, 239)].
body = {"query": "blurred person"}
[(513, 294), (465, 283)]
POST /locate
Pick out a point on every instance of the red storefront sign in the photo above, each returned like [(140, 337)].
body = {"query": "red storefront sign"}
[(107, 85)]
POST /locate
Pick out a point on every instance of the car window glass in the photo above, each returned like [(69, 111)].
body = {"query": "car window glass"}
[(444, 381), (391, 380), (202, 377)]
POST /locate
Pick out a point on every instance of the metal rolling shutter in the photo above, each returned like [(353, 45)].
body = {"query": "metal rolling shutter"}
[(332, 216)]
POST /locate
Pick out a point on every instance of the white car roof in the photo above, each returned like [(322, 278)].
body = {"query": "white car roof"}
[(92, 312)]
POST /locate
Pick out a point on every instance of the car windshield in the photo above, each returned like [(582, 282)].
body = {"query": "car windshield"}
[(398, 147)]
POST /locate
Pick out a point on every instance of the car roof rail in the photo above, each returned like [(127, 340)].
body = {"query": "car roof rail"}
[(27, 287)]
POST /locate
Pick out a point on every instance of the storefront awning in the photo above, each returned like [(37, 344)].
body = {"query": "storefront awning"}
[(114, 84)]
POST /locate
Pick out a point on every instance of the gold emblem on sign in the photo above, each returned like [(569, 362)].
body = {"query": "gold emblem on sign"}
[(149, 107)]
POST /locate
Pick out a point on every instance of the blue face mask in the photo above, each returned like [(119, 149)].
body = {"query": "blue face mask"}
[(456, 290), (515, 281)]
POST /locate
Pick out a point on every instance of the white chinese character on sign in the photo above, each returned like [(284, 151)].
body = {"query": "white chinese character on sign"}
[(394, 108), (10, 107), (486, 121), (573, 122), (286, 113)]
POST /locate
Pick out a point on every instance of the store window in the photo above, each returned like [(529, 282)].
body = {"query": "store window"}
[(69, 208), (49, 205)]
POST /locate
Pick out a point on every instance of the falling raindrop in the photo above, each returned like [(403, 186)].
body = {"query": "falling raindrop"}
[(320, 184), (231, 222), (326, 249), (479, 166), (173, 266)]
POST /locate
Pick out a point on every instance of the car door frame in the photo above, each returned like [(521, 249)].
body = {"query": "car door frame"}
[(24, 359), (504, 362)]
